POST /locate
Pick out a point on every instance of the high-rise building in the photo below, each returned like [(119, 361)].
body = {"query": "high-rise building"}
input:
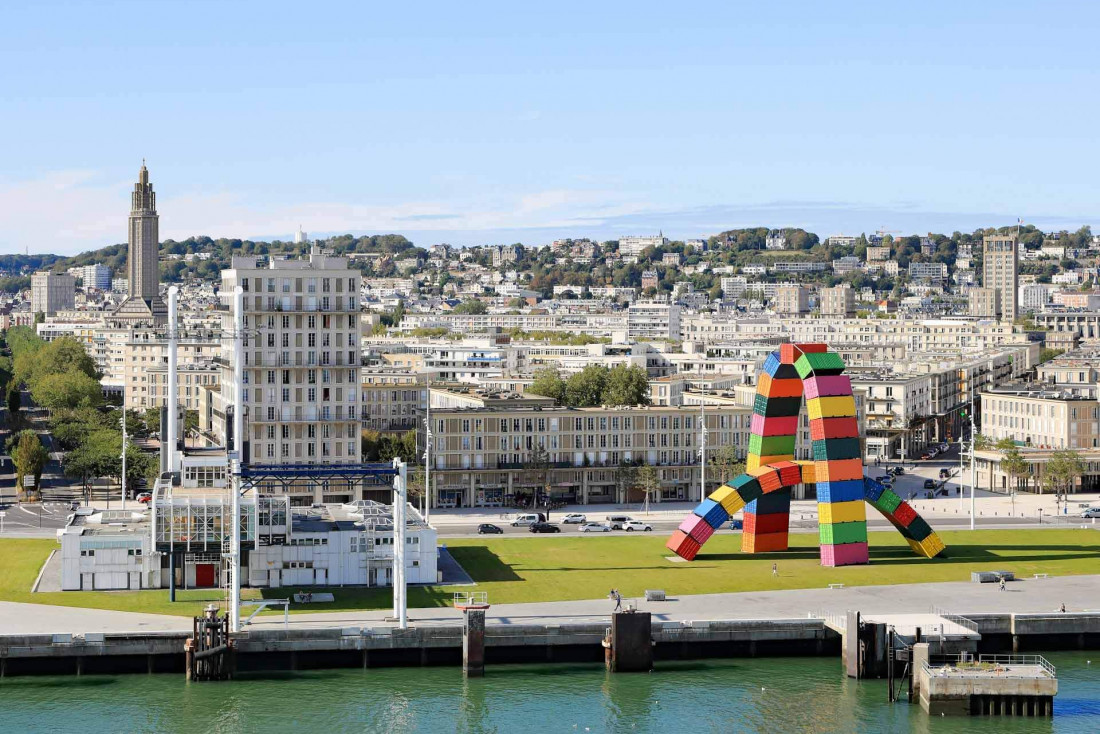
[(1000, 270), (985, 303), (144, 304), (96, 276), (302, 367), (52, 292), (791, 299)]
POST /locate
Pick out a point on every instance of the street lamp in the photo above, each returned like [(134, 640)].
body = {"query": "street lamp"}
[(702, 451)]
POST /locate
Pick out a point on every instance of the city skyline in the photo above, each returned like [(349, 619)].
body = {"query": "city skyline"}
[(512, 126)]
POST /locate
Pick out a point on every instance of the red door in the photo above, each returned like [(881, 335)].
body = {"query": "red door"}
[(204, 574)]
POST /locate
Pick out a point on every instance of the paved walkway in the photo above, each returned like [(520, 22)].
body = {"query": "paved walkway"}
[(1079, 593)]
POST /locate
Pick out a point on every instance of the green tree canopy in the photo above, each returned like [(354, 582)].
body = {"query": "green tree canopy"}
[(626, 386), (585, 388), (29, 456), (548, 383), (471, 306), (66, 390)]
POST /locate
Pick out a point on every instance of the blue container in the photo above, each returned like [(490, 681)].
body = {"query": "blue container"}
[(845, 491), (873, 488), (715, 516)]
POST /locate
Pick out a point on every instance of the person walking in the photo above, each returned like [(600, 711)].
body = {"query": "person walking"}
[(775, 569), (618, 599), (1002, 583)]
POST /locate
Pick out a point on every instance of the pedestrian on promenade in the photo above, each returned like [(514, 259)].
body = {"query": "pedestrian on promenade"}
[(1063, 608), (1002, 583), (775, 569), (618, 599)]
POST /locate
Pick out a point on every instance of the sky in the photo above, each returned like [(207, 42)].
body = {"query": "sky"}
[(479, 122)]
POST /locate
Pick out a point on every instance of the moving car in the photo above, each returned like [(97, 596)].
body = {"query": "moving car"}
[(736, 525), (945, 473), (529, 518), (593, 527), (145, 498), (632, 525), (544, 527), (896, 470), (574, 518), (486, 528), (615, 522), (929, 483), (1091, 512)]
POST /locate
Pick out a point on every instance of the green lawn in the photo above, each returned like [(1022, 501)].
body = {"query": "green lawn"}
[(561, 568)]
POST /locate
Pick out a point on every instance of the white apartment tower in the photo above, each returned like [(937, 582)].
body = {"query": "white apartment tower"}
[(301, 365), (52, 292)]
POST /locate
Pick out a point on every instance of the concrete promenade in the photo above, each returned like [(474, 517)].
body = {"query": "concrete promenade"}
[(1078, 593)]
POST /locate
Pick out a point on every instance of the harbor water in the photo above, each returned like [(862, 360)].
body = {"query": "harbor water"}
[(775, 695)]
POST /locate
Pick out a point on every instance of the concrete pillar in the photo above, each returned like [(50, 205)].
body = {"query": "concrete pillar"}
[(473, 643), (919, 658), (631, 642), (851, 644)]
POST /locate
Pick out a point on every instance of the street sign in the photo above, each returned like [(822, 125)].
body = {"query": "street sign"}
[(28, 480)]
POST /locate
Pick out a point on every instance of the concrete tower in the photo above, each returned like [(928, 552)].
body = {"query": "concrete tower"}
[(144, 304)]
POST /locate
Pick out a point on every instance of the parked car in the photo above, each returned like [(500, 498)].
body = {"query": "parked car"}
[(929, 483), (593, 527), (885, 479), (528, 518), (926, 455), (736, 525), (574, 518), (487, 528), (544, 527), (945, 473), (145, 498), (898, 470), (615, 522), (632, 525), (1091, 512)]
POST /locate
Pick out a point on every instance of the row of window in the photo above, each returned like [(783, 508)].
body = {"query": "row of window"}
[(286, 285)]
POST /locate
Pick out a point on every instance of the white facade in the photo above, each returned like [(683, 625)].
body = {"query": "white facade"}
[(52, 292)]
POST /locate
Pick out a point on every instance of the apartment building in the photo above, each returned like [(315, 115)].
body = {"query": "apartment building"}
[(145, 368), (481, 455), (52, 292), (632, 246), (302, 367), (984, 303), (898, 408), (1043, 416), (97, 277), (838, 301), (390, 400), (927, 271), (650, 320), (791, 299)]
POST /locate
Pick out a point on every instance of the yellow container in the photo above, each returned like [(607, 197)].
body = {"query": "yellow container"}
[(727, 497), (752, 461), (930, 547), (839, 406), (836, 512)]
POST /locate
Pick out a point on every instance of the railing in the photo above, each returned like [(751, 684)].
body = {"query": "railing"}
[(956, 618), (1000, 664), (471, 598)]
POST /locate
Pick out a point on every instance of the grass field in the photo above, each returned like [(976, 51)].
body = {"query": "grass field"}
[(561, 568)]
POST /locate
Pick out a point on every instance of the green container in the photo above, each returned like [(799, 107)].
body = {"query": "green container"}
[(888, 502), (771, 445), (836, 448), (843, 532), (819, 363), (918, 530)]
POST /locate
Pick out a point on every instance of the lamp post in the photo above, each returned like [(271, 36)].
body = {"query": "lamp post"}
[(124, 448), (702, 451), (427, 446)]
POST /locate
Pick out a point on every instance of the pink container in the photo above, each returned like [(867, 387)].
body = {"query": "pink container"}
[(845, 554), (697, 528), (825, 386)]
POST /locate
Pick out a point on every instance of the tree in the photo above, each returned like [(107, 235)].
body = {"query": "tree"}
[(585, 388), (1064, 467), (1015, 466), (626, 477), (1004, 444), (626, 386), (981, 442), (649, 481), (538, 474), (66, 390), (30, 457), (15, 401), (471, 306), (725, 465), (548, 383)]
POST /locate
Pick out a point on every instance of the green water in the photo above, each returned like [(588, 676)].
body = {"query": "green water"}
[(775, 695)]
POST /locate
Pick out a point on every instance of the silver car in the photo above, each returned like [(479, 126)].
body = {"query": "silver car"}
[(594, 527)]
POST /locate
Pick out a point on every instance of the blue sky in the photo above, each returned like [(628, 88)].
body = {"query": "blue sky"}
[(487, 122)]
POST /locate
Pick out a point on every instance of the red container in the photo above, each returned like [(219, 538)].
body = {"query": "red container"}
[(777, 522), (813, 348), (683, 545), (779, 387), (775, 426), (790, 473), (789, 353), (905, 514), (697, 528), (844, 427), (764, 542)]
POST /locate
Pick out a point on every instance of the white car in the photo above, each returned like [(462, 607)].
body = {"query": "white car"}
[(594, 527), (632, 525), (574, 518), (1091, 512)]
